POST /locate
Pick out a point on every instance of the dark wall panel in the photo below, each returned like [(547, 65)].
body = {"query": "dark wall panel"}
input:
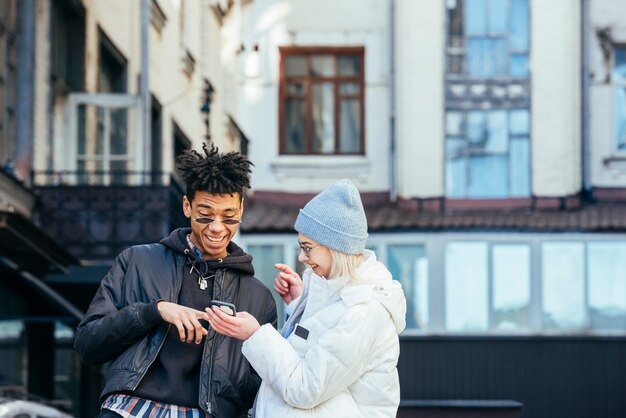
[(573, 377)]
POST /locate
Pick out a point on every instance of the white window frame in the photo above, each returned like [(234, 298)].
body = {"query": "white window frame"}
[(434, 250), (66, 155)]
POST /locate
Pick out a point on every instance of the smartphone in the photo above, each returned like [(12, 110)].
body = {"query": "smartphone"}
[(227, 308)]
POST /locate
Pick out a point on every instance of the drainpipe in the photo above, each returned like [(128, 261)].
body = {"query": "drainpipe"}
[(25, 88), (585, 25), (393, 191), (144, 85)]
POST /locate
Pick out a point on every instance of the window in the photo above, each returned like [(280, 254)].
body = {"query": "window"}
[(487, 286), (67, 46), (490, 285), (408, 264), (619, 81), (8, 68), (563, 285), (265, 256), (181, 144), (607, 285), (487, 99), (321, 101), (104, 141)]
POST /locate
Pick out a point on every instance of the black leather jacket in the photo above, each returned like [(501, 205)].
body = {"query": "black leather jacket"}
[(122, 325)]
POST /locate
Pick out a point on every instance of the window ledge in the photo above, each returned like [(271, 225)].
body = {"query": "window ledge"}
[(616, 162), (287, 166)]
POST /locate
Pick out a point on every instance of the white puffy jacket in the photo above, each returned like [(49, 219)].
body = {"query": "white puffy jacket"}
[(346, 365)]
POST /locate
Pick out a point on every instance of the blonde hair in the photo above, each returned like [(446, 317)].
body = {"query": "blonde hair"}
[(345, 265)]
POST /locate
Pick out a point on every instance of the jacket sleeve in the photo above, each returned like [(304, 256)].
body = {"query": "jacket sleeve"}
[(270, 318), (111, 325), (328, 367)]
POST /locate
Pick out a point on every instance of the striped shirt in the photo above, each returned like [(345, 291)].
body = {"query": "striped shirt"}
[(130, 406)]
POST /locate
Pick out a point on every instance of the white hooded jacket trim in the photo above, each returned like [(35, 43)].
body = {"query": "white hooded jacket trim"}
[(342, 361)]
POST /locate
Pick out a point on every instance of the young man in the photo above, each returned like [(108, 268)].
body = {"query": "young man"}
[(148, 317)]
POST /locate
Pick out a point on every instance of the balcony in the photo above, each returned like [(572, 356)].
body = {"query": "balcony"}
[(96, 214)]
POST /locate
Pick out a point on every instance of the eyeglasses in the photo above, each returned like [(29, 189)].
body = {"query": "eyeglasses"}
[(225, 221), (307, 250)]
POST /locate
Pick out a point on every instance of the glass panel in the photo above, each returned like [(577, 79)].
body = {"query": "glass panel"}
[(456, 32), (511, 286), (119, 131), (322, 65), (408, 264), (476, 17), (454, 123), (349, 88), (488, 176), (455, 64), (119, 172), (563, 272), (519, 25), (265, 256), (466, 286), (82, 129), (296, 65), (520, 167), (476, 127), (498, 133), (456, 167), (487, 57), (619, 67), (294, 126), (518, 66), (323, 118), (620, 118), (349, 65), (13, 349), (350, 127), (607, 285), (519, 122), (497, 16), (295, 88)]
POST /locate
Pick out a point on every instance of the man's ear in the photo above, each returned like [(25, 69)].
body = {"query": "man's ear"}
[(186, 206)]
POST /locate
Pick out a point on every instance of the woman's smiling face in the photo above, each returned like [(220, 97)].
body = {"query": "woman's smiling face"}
[(315, 256)]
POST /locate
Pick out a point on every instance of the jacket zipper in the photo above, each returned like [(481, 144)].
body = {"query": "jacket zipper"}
[(213, 345), (156, 354)]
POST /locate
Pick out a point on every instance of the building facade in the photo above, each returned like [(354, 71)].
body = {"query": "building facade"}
[(97, 99), (486, 138)]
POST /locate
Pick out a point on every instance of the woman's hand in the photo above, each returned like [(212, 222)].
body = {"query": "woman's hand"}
[(241, 326), (288, 283)]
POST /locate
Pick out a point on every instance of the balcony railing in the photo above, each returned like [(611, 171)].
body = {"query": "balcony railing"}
[(97, 214)]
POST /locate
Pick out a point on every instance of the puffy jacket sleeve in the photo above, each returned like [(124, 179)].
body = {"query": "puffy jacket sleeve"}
[(334, 362), (270, 318), (111, 325)]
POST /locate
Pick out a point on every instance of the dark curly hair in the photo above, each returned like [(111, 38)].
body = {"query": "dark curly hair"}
[(213, 172)]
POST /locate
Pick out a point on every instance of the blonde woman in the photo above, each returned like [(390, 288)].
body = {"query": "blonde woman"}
[(337, 353)]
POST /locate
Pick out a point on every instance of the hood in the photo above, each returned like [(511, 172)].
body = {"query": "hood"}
[(237, 259), (375, 281)]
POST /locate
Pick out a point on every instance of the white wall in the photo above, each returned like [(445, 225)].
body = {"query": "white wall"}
[(272, 24), (420, 40), (604, 14), (555, 65)]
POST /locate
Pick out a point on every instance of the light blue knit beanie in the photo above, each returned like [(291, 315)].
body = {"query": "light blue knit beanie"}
[(335, 218)]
